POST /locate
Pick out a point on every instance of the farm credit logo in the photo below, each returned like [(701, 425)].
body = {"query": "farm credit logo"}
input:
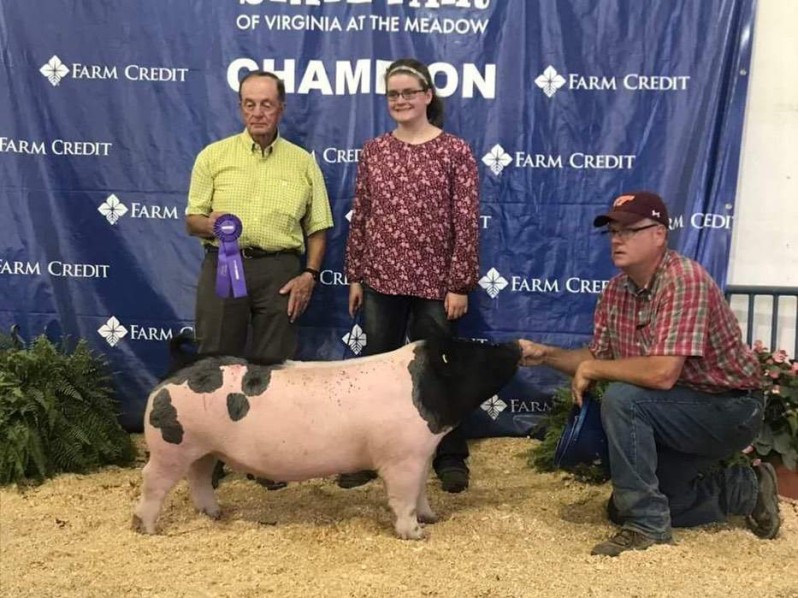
[(550, 82), (114, 331), (497, 159), (493, 407), (113, 209), (493, 283), (56, 70), (356, 339)]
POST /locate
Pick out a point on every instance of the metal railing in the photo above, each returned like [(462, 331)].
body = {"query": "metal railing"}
[(777, 324)]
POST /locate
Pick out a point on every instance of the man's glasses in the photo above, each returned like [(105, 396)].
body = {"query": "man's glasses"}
[(624, 234), (405, 94)]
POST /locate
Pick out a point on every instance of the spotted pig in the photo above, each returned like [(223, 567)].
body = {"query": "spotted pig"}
[(300, 420)]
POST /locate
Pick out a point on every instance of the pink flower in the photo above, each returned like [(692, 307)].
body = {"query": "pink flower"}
[(774, 374), (780, 356), (794, 368), (759, 347)]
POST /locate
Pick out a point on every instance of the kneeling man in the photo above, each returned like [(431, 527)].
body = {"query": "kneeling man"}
[(684, 390)]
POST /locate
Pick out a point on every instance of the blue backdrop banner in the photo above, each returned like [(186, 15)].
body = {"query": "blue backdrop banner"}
[(566, 103)]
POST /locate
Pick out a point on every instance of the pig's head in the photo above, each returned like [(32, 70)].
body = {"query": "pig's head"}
[(452, 377)]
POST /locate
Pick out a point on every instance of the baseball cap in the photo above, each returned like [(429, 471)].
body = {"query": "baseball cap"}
[(634, 206)]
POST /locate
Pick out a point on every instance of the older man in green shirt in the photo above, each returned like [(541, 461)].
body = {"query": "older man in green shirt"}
[(277, 191)]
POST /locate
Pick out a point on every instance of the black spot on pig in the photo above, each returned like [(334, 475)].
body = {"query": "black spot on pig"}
[(205, 375), (163, 416), (185, 360), (256, 380), (452, 377), (237, 406)]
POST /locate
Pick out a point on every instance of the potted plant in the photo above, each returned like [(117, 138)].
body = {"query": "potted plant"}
[(778, 441), (57, 412)]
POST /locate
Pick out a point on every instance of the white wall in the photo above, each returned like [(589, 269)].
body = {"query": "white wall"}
[(765, 235)]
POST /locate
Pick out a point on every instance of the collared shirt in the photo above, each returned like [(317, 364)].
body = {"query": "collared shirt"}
[(277, 192), (415, 225), (682, 312)]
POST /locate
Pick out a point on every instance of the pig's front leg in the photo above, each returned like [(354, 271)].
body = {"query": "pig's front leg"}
[(403, 484)]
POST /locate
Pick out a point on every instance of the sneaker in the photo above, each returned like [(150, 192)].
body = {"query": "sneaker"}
[(626, 539), (765, 520), (453, 477), (267, 483), (353, 480)]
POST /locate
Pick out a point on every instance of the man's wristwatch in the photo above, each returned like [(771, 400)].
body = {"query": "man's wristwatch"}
[(313, 272)]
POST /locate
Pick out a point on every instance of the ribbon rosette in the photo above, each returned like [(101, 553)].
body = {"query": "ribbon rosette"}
[(229, 269)]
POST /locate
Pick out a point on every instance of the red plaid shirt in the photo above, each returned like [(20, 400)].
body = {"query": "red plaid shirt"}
[(681, 312)]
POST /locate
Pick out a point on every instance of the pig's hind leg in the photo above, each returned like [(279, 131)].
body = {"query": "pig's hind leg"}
[(158, 478), (403, 484), (199, 477)]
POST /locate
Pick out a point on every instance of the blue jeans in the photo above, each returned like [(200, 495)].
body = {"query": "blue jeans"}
[(390, 319), (665, 450)]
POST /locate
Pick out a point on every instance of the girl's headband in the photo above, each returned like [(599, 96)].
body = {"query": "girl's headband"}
[(408, 69)]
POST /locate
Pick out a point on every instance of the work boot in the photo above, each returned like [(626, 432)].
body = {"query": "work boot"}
[(353, 480), (626, 539), (765, 520)]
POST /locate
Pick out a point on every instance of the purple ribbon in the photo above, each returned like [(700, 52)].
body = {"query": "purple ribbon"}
[(229, 269)]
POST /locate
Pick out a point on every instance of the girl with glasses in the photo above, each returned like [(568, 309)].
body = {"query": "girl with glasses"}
[(413, 245)]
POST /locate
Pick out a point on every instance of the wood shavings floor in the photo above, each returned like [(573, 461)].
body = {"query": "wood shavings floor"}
[(514, 533)]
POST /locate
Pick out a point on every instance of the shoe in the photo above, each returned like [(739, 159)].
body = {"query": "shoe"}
[(765, 520), (218, 474), (353, 480), (453, 477), (626, 539), (267, 483)]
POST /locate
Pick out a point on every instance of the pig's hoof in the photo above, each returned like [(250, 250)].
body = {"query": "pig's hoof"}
[(429, 517), (410, 532), (138, 526), (213, 513)]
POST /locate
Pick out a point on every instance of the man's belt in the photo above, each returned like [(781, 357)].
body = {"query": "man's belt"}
[(254, 252)]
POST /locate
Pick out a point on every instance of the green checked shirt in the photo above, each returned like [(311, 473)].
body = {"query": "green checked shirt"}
[(277, 193)]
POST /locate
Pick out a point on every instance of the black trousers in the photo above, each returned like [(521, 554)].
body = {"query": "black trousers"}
[(390, 319), (223, 325)]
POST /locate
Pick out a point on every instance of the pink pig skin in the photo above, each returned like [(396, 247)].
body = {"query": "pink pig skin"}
[(314, 419)]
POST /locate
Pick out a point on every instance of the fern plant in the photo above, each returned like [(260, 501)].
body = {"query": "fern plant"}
[(542, 456), (57, 412)]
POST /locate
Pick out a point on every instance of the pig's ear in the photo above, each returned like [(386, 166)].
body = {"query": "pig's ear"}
[(440, 356)]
